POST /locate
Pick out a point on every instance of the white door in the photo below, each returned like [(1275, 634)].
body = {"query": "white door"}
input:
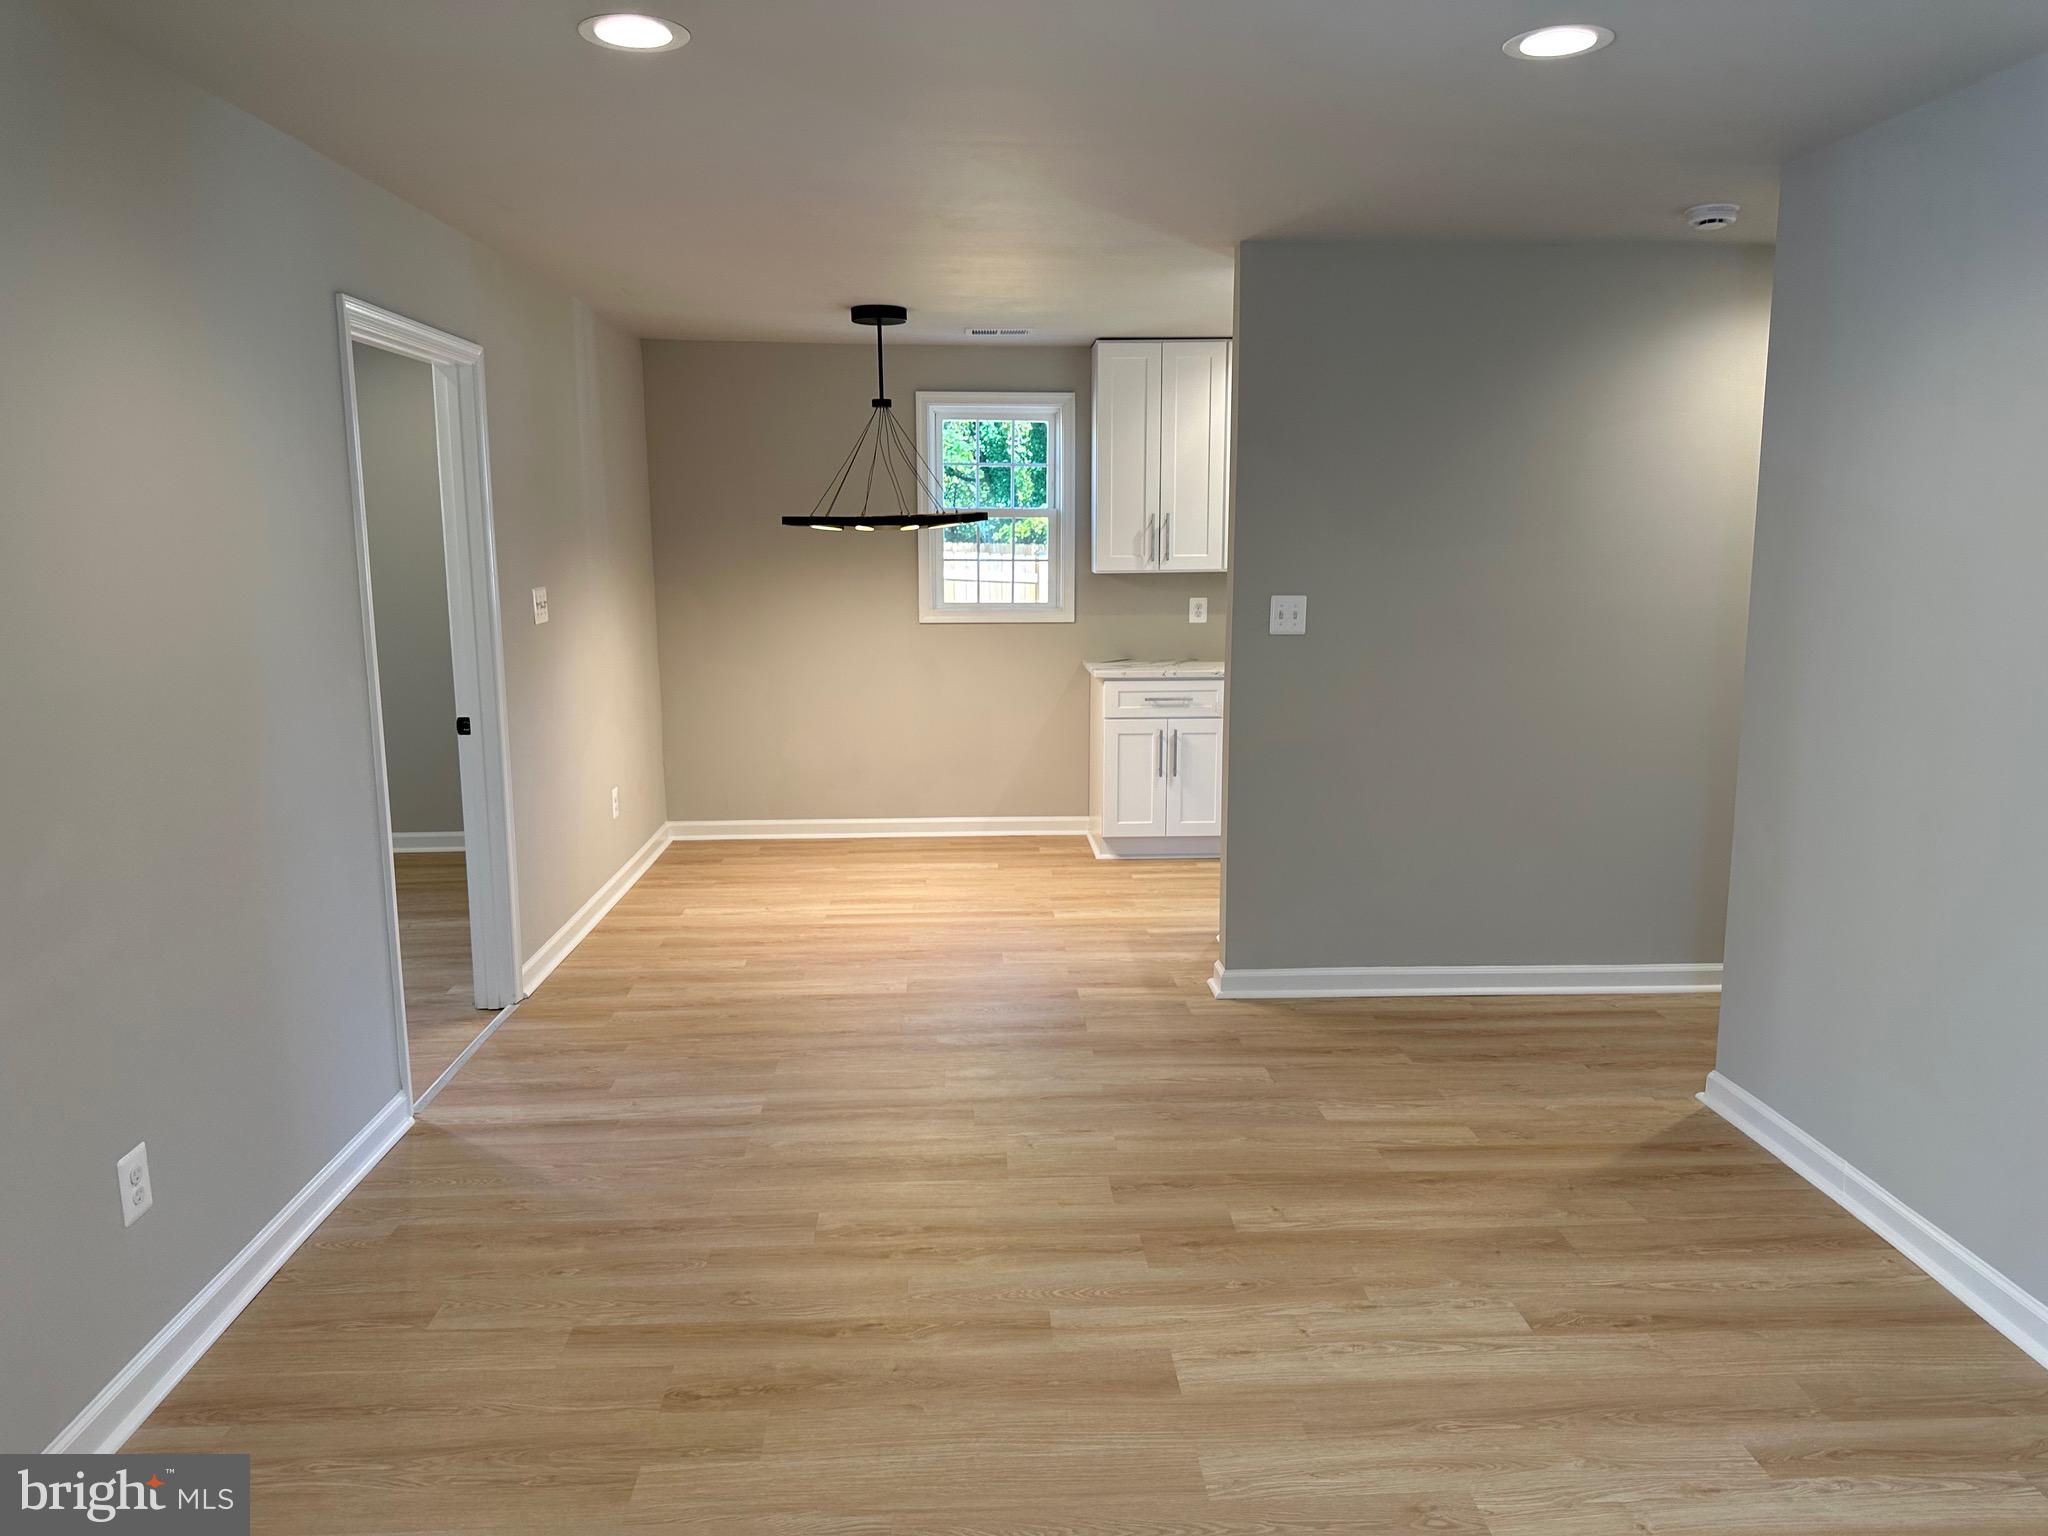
[(1194, 456), (1134, 778), (1126, 447), (1194, 778)]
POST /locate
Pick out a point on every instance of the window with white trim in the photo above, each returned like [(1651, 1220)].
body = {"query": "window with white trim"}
[(1011, 456)]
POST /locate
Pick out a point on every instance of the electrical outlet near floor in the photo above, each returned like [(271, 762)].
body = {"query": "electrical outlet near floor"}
[(1198, 610), (615, 802), (135, 1192)]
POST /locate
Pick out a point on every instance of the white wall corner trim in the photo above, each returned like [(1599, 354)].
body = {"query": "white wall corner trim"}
[(1977, 1285), (879, 826), (105, 1423), (542, 962), (1462, 980), (427, 842)]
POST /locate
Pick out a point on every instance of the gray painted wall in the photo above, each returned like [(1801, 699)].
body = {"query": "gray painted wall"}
[(797, 678), (1889, 910), (409, 584), (1517, 483), (192, 943)]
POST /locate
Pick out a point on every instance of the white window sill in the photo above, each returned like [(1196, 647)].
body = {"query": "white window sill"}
[(996, 616)]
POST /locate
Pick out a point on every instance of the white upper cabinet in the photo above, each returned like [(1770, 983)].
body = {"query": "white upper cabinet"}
[(1126, 493), (1162, 455), (1194, 454)]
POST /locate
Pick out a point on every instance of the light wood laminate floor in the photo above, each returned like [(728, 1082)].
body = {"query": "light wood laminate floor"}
[(850, 1189), (441, 1016)]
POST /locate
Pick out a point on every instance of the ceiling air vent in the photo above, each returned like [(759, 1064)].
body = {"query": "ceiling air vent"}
[(997, 330)]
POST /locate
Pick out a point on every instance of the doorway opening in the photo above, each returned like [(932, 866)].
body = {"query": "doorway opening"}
[(426, 558)]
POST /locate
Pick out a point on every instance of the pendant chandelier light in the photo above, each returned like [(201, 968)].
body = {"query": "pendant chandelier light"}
[(895, 487)]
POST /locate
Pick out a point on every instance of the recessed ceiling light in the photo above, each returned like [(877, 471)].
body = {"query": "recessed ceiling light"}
[(632, 32), (1560, 42)]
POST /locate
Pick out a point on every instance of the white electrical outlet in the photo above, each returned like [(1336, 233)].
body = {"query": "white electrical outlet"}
[(134, 1174), (1198, 610), (540, 605), (1290, 616), (615, 802)]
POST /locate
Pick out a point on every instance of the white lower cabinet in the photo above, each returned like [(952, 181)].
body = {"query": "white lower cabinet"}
[(1156, 789), (1134, 786), (1194, 778)]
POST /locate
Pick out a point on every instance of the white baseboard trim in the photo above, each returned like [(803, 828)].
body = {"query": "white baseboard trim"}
[(540, 965), (1463, 980), (428, 842), (105, 1423), (1108, 848), (879, 826), (1976, 1284)]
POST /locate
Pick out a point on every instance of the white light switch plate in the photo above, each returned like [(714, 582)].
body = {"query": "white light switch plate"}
[(1198, 610), (133, 1171), (1290, 616), (540, 605)]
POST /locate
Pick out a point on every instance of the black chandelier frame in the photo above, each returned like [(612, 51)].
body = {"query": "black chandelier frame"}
[(914, 494)]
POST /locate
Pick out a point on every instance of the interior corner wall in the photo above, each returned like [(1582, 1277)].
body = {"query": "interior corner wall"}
[(409, 586), (192, 888), (1517, 483), (797, 680), (1889, 910)]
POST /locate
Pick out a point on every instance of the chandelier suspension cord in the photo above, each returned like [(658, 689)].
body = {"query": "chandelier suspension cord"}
[(895, 485), (927, 476), (868, 494), (826, 502)]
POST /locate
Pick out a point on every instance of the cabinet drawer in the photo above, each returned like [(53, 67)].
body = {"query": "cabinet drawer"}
[(1162, 697)]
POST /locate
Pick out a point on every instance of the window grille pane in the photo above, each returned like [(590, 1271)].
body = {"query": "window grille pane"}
[(1029, 484), (1030, 442), (992, 441), (957, 438), (960, 489), (996, 487)]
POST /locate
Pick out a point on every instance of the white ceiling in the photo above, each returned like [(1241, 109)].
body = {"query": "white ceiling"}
[(1080, 167)]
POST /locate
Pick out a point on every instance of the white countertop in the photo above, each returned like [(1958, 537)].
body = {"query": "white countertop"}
[(1126, 669)]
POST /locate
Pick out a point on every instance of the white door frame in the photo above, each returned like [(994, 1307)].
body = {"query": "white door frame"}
[(475, 639)]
